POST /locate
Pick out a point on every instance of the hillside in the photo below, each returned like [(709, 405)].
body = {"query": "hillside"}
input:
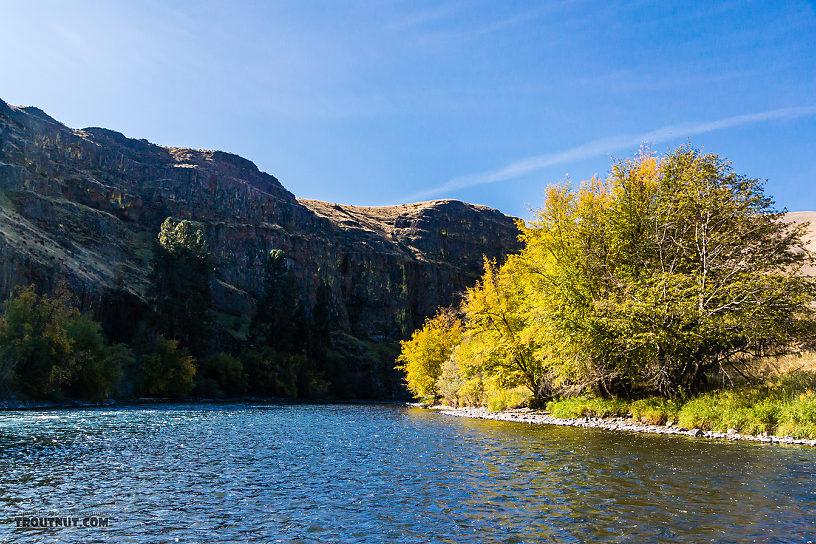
[(810, 239), (84, 205)]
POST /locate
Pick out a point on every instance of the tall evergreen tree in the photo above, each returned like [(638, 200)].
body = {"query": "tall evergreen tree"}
[(275, 315), (321, 323), (301, 329), (180, 285)]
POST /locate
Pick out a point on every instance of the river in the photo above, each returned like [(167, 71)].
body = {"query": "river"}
[(385, 473)]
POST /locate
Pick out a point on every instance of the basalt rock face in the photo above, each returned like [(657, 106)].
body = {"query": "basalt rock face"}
[(85, 206), (404, 261)]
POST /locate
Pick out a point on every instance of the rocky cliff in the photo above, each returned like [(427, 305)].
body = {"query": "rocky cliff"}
[(85, 206)]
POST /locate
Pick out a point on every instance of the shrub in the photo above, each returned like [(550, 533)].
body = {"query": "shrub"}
[(450, 382), (798, 416), (472, 392), (800, 409), (167, 370), (750, 418), (221, 375), (702, 412), (749, 410)]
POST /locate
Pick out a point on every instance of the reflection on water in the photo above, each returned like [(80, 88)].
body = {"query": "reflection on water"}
[(348, 473)]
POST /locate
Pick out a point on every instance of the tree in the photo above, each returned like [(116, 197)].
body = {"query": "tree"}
[(270, 373), (669, 270), (180, 285), (321, 324), (277, 316), (221, 375), (34, 346), (499, 334), (721, 274), (48, 348), (429, 347), (94, 366)]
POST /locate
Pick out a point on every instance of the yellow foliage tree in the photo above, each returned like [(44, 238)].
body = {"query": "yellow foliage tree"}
[(429, 347), (498, 318)]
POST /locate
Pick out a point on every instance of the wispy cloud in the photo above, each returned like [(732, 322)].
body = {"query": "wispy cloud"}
[(464, 28), (422, 17), (606, 146)]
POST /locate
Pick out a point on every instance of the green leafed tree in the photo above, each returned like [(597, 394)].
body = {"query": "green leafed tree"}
[(166, 369), (278, 315), (221, 375), (34, 345), (49, 349), (180, 285), (671, 269), (94, 367)]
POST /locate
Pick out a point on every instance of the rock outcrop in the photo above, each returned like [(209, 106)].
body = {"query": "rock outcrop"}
[(85, 205)]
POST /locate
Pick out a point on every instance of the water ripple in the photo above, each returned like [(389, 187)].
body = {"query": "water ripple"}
[(344, 473)]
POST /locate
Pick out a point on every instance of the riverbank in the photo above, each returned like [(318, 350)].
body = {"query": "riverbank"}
[(12, 405), (18, 405), (526, 415)]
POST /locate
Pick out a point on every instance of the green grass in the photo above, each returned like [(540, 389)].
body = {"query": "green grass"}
[(587, 407), (655, 410), (782, 406), (508, 398), (746, 411)]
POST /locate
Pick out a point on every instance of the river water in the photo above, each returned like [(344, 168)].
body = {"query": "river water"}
[(386, 473)]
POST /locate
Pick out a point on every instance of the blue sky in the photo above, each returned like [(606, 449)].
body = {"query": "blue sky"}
[(375, 103)]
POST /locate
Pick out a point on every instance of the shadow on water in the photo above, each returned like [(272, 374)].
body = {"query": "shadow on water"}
[(375, 473)]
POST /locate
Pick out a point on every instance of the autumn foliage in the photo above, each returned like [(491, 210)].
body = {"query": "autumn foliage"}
[(669, 271)]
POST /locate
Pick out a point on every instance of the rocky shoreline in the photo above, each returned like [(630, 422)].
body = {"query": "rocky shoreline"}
[(526, 415)]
